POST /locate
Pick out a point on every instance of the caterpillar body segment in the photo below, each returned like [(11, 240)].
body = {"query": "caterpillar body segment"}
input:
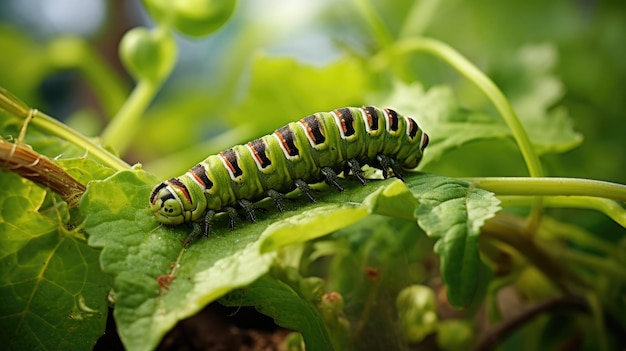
[(315, 148)]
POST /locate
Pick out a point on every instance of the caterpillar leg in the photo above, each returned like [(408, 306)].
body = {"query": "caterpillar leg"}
[(331, 178), (232, 214), (397, 170), (249, 208), (355, 168), (205, 225), (384, 163), (277, 198), (387, 163), (304, 188)]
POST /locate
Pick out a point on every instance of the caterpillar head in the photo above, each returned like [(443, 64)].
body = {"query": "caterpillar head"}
[(166, 202)]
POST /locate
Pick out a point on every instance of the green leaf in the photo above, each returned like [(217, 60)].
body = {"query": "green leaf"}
[(309, 226), (157, 281), (453, 212), (439, 114), (280, 301), (85, 170), (52, 290), (283, 90)]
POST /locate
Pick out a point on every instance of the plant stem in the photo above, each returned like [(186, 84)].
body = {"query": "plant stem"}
[(18, 109), (62, 131), (24, 161), (365, 313), (609, 207), (120, 131), (496, 335), (510, 231), (12, 105), (551, 186)]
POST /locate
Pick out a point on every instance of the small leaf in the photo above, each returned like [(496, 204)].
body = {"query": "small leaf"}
[(453, 212), (393, 200)]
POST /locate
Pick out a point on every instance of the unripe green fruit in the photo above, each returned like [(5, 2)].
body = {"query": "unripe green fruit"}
[(148, 55), (195, 18)]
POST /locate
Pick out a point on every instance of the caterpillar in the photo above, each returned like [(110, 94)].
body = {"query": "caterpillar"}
[(311, 150)]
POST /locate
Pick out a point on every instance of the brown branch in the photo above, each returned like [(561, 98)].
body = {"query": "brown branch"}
[(499, 333), (511, 231), (27, 163)]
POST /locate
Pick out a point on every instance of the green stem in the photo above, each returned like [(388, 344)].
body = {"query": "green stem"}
[(12, 105), (62, 131), (18, 109), (511, 231), (120, 131), (609, 207), (551, 186)]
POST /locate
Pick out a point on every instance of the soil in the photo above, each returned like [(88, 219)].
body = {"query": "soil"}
[(215, 328)]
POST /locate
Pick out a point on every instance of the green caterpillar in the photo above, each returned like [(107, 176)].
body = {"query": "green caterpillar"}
[(315, 148)]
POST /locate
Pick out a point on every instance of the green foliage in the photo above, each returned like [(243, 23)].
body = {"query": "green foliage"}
[(151, 264), (53, 292), (385, 265)]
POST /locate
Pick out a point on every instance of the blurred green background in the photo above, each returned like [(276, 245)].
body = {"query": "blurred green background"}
[(54, 51)]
